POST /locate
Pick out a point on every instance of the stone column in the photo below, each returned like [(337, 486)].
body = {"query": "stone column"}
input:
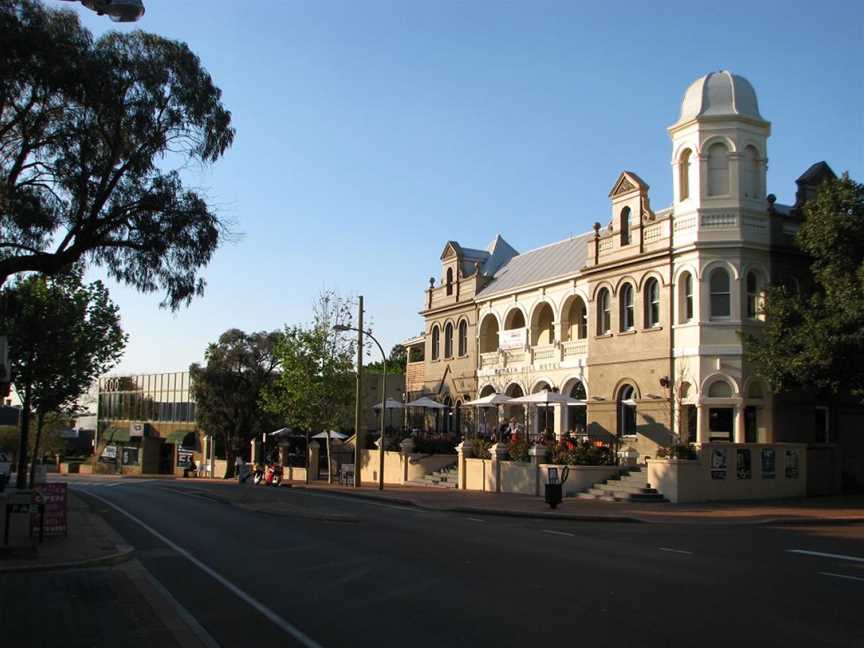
[(406, 449), (498, 453), (740, 425), (255, 454), (538, 455), (464, 451), (283, 455), (703, 434), (314, 457)]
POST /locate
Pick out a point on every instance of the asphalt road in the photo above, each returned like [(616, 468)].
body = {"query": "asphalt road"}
[(335, 571)]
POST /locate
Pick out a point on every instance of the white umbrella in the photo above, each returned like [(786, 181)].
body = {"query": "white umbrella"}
[(492, 400), (426, 403), (333, 435), (546, 397), (388, 404), (281, 432)]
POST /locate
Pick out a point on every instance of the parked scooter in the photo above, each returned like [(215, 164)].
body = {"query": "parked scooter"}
[(258, 474), (274, 475)]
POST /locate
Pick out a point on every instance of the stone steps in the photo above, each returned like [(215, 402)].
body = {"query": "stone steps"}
[(447, 477), (628, 486)]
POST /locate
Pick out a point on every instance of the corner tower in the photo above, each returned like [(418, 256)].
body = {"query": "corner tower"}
[(719, 160)]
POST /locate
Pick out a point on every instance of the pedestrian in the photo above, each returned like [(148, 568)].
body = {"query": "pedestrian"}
[(238, 469)]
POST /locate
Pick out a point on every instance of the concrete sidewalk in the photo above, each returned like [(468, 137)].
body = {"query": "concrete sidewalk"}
[(847, 509)]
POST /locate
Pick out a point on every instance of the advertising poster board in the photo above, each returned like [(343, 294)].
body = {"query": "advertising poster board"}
[(769, 463), (792, 464), (55, 499), (512, 339), (718, 463), (744, 465)]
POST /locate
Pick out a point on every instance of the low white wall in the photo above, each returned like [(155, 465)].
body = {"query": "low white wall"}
[(722, 473), (475, 474), (395, 469), (518, 477), (580, 478)]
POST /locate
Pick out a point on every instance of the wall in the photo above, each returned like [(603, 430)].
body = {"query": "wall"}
[(694, 481), (528, 479), (580, 478), (394, 467), (421, 465)]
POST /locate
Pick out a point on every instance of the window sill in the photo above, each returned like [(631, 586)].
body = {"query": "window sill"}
[(628, 332), (652, 328), (603, 336)]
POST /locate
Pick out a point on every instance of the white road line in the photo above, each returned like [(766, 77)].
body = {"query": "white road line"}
[(825, 555), (681, 551), (291, 629), (561, 533), (476, 519), (199, 631), (855, 578)]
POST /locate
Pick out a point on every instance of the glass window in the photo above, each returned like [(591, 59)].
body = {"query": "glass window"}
[(448, 341), (627, 411), (449, 281), (625, 226), (688, 297), (604, 314), (720, 421), (627, 307), (684, 175), (463, 338), (753, 295), (652, 303), (718, 170), (720, 389), (436, 334), (720, 293)]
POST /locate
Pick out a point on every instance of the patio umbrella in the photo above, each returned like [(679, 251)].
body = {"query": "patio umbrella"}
[(488, 402), (333, 435), (388, 404), (426, 403), (281, 432), (544, 398)]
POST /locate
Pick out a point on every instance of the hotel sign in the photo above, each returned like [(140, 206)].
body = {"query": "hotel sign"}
[(512, 339)]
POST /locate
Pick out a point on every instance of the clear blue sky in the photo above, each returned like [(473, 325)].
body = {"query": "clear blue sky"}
[(369, 133)]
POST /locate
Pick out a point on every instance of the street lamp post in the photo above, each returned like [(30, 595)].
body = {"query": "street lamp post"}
[(341, 328)]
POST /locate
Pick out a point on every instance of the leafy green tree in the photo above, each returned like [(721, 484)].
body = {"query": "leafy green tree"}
[(229, 386), (815, 337), (89, 130), (314, 390), (65, 335), (396, 362)]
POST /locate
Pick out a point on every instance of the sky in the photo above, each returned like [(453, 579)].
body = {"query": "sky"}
[(370, 133)]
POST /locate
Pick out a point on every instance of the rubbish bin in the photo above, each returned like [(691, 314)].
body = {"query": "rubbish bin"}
[(553, 495)]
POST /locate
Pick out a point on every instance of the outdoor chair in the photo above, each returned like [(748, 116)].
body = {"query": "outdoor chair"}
[(346, 474)]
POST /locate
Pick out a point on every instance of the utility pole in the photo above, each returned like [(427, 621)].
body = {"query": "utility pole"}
[(358, 408)]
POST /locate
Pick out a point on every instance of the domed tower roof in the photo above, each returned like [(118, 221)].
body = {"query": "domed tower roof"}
[(720, 94)]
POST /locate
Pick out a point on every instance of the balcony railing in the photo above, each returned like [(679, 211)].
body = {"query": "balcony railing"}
[(575, 347), (546, 353)]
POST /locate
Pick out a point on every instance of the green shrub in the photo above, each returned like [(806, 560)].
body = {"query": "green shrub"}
[(518, 450), (481, 448)]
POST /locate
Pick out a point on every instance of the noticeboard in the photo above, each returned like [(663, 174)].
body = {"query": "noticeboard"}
[(55, 499)]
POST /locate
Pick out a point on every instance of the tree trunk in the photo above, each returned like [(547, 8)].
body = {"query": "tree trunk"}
[(40, 421), (21, 482), (308, 467)]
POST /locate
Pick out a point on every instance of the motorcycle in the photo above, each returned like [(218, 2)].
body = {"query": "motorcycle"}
[(274, 475), (258, 474)]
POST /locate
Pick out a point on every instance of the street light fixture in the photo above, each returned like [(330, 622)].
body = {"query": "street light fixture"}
[(343, 328)]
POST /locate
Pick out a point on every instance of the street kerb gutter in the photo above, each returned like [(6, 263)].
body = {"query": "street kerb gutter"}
[(125, 553)]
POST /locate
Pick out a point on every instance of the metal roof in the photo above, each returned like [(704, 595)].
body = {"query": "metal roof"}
[(566, 257)]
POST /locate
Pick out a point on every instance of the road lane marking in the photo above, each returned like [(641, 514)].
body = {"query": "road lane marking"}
[(476, 519), (855, 578), (277, 620), (561, 533), (681, 551), (821, 554)]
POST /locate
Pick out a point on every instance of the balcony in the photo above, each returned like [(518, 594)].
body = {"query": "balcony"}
[(573, 348)]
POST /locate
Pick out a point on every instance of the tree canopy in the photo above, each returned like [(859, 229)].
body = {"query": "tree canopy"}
[(88, 132), (65, 335), (815, 337), (228, 387), (396, 362)]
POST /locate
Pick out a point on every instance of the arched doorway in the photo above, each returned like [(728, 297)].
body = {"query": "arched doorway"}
[(543, 326), (543, 422), (514, 413), (577, 415), (447, 413), (627, 410)]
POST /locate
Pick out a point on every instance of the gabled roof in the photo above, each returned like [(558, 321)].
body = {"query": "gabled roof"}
[(627, 181), (816, 174), (545, 263)]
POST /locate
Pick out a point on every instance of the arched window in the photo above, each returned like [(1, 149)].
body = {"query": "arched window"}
[(685, 306), (626, 304), (448, 340), (489, 338), (543, 326), (576, 414), (718, 170), (684, 175), (750, 173), (449, 281), (720, 294), (575, 325), (754, 295), (436, 343), (652, 303), (627, 411), (604, 313), (463, 338), (720, 389), (625, 226)]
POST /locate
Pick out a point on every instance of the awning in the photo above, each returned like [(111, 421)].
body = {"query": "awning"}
[(116, 435), (178, 436)]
